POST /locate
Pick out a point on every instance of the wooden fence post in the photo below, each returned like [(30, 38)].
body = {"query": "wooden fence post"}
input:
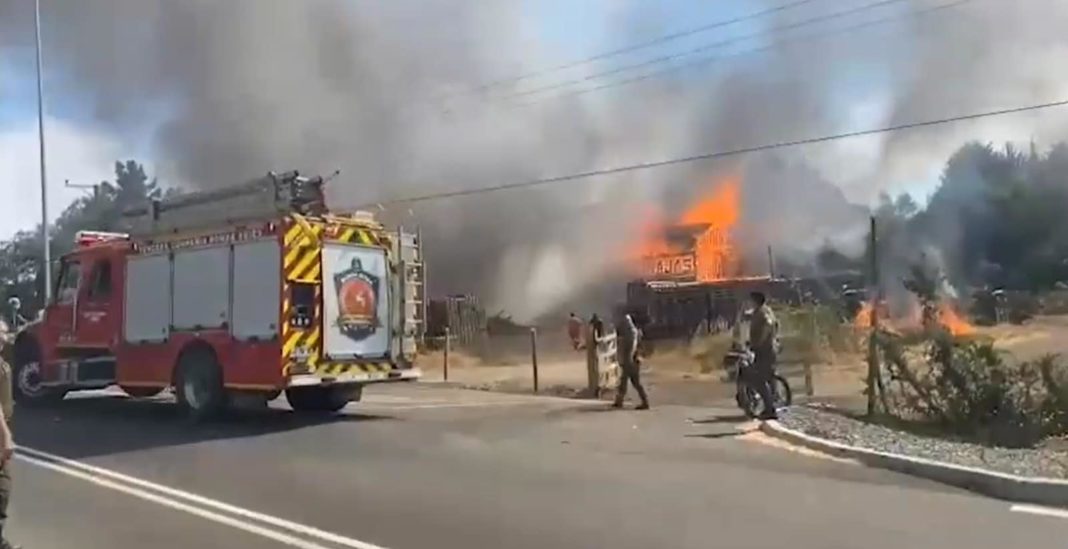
[(534, 355), (445, 365)]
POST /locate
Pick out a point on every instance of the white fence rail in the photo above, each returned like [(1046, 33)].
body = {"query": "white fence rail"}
[(601, 363)]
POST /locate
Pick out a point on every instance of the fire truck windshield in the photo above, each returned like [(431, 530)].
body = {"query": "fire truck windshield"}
[(69, 276)]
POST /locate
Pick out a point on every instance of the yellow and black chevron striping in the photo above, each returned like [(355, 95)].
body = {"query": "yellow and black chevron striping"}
[(337, 369), (302, 263)]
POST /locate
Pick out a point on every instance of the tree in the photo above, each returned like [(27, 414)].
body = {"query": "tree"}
[(996, 216), (995, 219), (20, 258)]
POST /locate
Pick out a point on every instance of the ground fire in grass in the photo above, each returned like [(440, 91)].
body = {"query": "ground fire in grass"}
[(948, 318), (953, 321), (863, 318), (699, 245)]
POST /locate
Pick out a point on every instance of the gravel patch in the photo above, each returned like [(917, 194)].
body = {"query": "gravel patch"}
[(1029, 462)]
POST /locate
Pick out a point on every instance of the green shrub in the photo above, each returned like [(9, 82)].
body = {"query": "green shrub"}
[(972, 389)]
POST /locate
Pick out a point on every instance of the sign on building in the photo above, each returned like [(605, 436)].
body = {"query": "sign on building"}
[(670, 267)]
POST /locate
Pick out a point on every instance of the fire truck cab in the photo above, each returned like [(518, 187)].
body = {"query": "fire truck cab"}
[(247, 291)]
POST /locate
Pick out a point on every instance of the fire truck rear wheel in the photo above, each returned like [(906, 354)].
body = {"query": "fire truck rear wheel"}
[(322, 399), (199, 384)]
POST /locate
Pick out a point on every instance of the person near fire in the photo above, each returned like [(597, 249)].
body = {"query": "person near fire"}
[(7, 443), (574, 331), (596, 326), (628, 336), (763, 332)]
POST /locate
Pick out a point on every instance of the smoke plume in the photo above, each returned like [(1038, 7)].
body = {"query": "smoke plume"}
[(225, 91)]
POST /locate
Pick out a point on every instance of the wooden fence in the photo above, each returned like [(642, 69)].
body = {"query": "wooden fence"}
[(464, 317)]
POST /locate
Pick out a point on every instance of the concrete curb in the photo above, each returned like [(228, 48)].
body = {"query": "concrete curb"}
[(1042, 491)]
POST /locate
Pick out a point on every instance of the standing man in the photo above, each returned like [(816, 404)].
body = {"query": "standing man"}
[(627, 335), (574, 331), (597, 326), (7, 442), (763, 328)]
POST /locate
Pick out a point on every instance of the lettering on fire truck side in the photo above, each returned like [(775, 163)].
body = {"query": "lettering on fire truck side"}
[(200, 241)]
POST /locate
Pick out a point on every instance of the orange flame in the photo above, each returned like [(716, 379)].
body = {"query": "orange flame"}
[(651, 241), (712, 256), (863, 318), (948, 317), (953, 321), (719, 207)]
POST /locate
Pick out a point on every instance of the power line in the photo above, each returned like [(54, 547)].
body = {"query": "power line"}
[(714, 45), (717, 154), (627, 49), (710, 59)]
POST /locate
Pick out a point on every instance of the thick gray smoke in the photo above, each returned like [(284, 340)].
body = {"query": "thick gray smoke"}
[(985, 55), (229, 90)]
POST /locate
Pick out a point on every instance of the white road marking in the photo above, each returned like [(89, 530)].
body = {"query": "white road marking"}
[(202, 513), (193, 504), (1039, 510)]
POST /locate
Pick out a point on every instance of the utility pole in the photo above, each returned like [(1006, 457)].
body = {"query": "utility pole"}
[(873, 350), (41, 142)]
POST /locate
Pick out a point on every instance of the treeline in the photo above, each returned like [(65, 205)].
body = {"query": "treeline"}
[(21, 256), (997, 219)]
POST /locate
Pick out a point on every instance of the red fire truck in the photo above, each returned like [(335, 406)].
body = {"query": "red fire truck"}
[(243, 292)]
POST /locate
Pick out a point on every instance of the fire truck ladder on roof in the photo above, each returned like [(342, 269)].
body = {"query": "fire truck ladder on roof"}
[(261, 198)]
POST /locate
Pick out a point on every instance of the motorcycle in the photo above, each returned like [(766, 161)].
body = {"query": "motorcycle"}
[(740, 360)]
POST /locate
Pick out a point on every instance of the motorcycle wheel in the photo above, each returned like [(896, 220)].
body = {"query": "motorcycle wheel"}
[(749, 401), (784, 396)]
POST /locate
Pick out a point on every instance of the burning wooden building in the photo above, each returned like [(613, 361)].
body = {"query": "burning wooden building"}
[(690, 273)]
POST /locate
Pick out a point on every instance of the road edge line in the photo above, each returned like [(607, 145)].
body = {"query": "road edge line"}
[(158, 499), (1039, 510), (116, 477), (1036, 490)]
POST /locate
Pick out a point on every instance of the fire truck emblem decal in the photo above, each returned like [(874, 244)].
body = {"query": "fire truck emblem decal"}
[(357, 299)]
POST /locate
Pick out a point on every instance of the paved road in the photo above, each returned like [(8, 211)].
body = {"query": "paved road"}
[(416, 467)]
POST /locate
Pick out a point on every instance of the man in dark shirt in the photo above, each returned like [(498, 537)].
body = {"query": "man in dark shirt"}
[(763, 328), (628, 335), (597, 325)]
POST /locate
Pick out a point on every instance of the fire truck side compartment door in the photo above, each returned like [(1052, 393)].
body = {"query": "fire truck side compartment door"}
[(148, 299), (201, 288), (257, 280)]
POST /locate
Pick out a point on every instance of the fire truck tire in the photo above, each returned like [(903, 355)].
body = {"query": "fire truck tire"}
[(199, 384), (322, 399), (26, 378)]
